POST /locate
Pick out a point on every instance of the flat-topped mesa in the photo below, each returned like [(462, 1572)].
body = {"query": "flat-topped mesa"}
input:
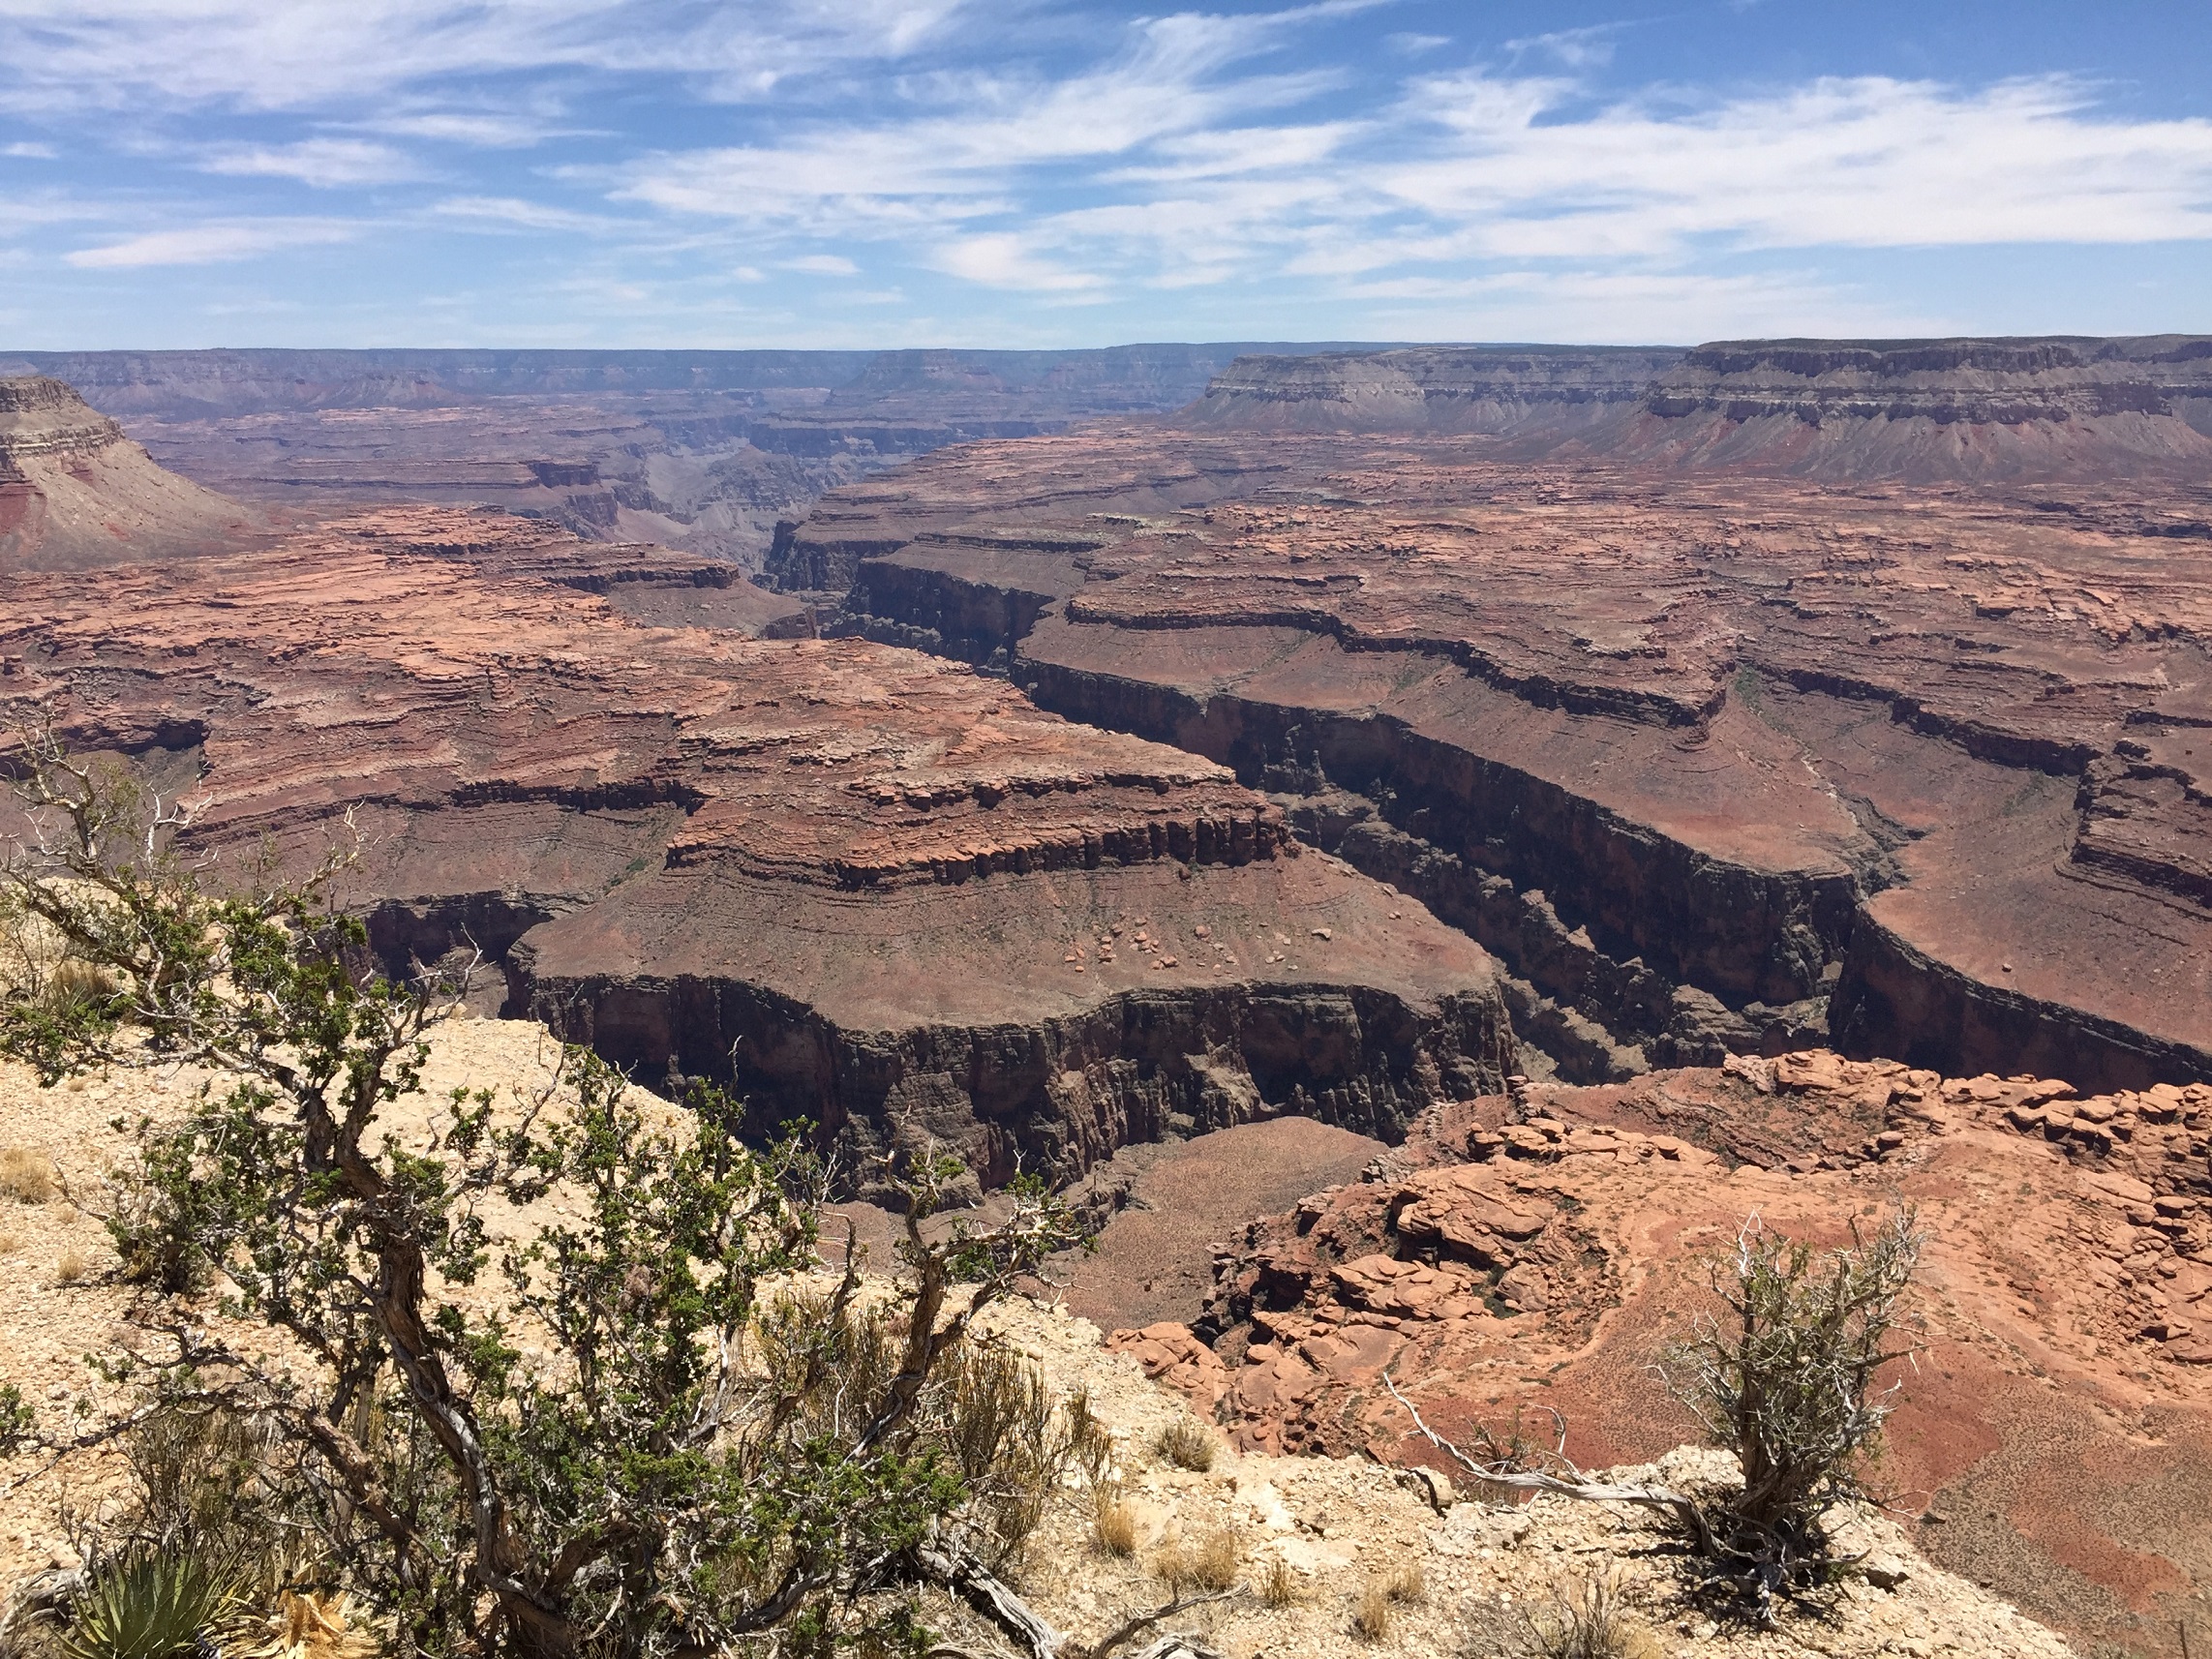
[(75, 493), (884, 893), (647, 583), (2054, 407), (40, 416), (1518, 390)]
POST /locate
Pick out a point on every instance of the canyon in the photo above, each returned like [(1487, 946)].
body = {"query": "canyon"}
[(874, 889), (1711, 758), (1426, 841), (701, 451)]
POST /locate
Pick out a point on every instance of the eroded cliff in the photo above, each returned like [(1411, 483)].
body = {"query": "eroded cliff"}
[(75, 493), (882, 893), (1710, 762)]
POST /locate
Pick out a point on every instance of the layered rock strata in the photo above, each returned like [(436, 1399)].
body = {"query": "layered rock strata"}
[(880, 892), (1522, 391), (1713, 765), (2050, 408), (2056, 407), (1539, 1252), (74, 492)]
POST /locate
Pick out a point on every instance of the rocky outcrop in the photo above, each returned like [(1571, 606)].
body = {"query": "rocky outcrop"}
[(1521, 391), (74, 492), (879, 891), (1692, 760), (1536, 1254)]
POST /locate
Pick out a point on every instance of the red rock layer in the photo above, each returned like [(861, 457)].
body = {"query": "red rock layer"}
[(1521, 1256), (898, 889), (1743, 736)]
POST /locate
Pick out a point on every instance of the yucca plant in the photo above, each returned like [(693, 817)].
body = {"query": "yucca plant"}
[(153, 1606)]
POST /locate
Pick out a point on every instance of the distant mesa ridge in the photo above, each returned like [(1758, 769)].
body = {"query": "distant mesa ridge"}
[(1438, 388), (2057, 406), (2008, 381)]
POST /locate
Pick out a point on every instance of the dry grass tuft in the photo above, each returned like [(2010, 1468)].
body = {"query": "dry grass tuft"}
[(1113, 1521), (1087, 1441), (1279, 1586), (72, 1267), (1205, 1563), (1408, 1585), (322, 1624), (27, 1175), (1187, 1445), (1371, 1617), (1584, 1621), (10, 1243)]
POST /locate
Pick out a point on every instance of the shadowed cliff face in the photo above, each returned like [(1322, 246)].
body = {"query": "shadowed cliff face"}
[(883, 894), (1711, 763)]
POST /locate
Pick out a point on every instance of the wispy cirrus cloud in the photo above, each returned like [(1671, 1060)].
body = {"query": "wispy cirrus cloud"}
[(213, 244), (1865, 163), (1466, 168), (128, 55), (514, 213), (326, 164), (1365, 164)]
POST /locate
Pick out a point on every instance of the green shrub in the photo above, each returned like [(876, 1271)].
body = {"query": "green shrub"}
[(150, 1604)]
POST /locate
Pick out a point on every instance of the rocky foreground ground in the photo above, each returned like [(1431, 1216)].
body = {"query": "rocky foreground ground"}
[(1524, 1255), (1338, 1525)]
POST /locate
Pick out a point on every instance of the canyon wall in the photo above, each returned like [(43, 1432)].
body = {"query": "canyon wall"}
[(1550, 390), (701, 451), (872, 889), (1712, 764)]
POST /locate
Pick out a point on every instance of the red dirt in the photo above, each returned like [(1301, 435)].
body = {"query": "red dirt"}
[(2055, 1430)]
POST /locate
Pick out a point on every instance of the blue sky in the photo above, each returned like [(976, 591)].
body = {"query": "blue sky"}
[(996, 172)]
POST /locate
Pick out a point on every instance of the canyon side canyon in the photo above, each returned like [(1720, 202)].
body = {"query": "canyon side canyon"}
[(1614, 790)]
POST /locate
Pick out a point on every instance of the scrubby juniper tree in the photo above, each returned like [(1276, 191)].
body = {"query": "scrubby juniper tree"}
[(622, 1434)]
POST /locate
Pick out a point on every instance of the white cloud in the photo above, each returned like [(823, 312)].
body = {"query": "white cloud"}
[(324, 162), (944, 168), (1867, 163), (490, 131), (514, 213), (1177, 186), (1589, 48), (181, 55), (1005, 261), (824, 265), (213, 244), (29, 152), (1634, 307)]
